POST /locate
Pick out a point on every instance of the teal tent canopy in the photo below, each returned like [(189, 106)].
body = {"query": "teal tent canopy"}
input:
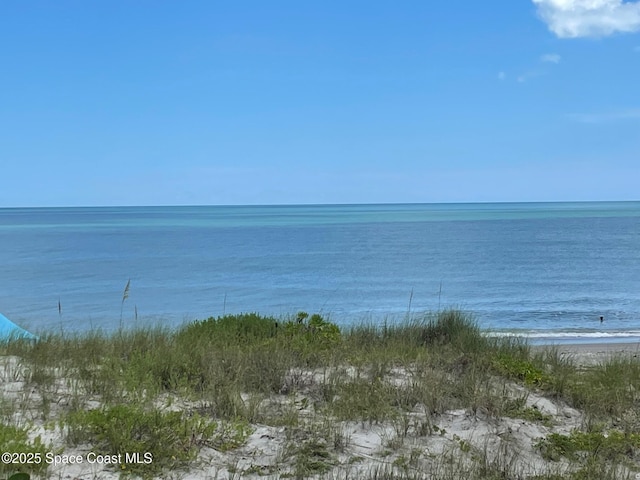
[(8, 330)]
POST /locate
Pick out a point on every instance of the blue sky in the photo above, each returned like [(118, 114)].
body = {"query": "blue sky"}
[(199, 102)]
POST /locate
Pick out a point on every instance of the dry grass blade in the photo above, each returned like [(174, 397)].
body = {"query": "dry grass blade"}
[(125, 295)]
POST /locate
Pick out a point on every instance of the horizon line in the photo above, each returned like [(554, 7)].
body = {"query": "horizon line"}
[(316, 204)]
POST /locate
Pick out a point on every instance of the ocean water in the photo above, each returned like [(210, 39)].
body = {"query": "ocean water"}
[(545, 270)]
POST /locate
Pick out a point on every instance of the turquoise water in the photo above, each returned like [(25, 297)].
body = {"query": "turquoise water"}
[(545, 269)]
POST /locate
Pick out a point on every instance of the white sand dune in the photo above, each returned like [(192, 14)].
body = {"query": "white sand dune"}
[(422, 442)]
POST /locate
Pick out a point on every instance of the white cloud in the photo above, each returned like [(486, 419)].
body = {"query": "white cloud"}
[(551, 58), (589, 18), (606, 117), (502, 76)]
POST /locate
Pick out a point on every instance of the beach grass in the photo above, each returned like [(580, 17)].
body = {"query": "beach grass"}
[(209, 385)]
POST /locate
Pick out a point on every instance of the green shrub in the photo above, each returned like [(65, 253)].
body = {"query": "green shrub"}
[(16, 441), (611, 446), (172, 438), (241, 329), (520, 369)]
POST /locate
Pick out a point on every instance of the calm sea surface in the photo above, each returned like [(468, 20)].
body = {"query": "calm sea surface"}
[(548, 270)]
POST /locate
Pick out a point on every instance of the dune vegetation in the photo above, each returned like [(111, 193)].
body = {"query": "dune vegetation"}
[(249, 396)]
